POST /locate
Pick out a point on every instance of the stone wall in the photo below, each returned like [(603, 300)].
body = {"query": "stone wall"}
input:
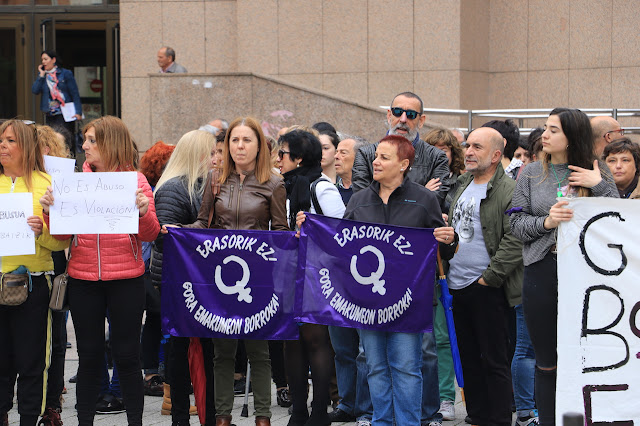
[(465, 54)]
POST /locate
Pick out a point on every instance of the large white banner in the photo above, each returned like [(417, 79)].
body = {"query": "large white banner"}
[(598, 303), (94, 203), (16, 237)]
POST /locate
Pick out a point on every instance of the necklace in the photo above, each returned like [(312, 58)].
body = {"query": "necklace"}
[(559, 193)]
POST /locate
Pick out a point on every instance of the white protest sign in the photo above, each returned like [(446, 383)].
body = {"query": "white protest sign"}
[(16, 237), (598, 304), (57, 166), (94, 203)]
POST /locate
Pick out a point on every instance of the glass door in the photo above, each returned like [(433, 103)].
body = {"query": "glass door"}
[(87, 44)]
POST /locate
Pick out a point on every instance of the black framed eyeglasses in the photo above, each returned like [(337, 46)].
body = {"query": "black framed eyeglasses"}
[(411, 114), (281, 153)]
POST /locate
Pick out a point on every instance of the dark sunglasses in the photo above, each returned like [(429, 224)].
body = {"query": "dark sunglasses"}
[(411, 114), (281, 153)]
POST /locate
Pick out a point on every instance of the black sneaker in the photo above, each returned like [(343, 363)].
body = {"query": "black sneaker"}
[(154, 386), (283, 398), (338, 415), (73, 379), (109, 404)]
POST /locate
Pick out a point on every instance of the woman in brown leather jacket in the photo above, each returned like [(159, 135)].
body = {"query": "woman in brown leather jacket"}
[(251, 196)]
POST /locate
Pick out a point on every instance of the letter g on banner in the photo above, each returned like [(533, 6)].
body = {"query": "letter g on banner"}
[(244, 294), (374, 278)]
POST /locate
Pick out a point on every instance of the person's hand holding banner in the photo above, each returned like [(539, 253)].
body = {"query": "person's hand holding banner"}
[(354, 274)]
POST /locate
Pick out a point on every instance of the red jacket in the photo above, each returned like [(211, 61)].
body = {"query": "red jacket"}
[(110, 257)]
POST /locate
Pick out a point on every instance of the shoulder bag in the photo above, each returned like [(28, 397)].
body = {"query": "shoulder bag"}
[(14, 288), (58, 301)]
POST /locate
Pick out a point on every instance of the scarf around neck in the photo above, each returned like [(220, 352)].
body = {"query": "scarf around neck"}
[(52, 84), (298, 184)]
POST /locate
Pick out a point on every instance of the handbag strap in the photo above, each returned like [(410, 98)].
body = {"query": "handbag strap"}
[(215, 190), (66, 266), (314, 194)]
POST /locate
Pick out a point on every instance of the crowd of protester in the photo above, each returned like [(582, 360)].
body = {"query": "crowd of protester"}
[(505, 312)]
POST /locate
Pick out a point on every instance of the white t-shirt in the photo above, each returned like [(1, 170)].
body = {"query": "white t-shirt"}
[(472, 258)]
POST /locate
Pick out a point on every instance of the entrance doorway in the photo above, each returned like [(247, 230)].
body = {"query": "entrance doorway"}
[(13, 80), (88, 45)]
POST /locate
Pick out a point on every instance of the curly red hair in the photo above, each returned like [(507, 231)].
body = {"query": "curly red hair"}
[(153, 161)]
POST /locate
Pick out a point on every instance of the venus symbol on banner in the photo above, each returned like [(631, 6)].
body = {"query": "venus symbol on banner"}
[(374, 278), (244, 293)]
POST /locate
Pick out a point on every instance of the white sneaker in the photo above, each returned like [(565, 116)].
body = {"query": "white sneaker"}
[(447, 410), (363, 422)]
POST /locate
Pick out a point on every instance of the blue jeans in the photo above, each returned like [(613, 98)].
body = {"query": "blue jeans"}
[(523, 366), (430, 383), (351, 372), (395, 379)]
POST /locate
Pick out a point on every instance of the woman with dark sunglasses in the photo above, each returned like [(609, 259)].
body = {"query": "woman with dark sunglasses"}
[(308, 189)]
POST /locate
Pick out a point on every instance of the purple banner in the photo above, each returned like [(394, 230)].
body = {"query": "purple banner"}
[(229, 284), (363, 275)]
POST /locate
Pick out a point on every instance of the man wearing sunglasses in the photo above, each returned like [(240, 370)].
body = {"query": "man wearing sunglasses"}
[(405, 118), (605, 130)]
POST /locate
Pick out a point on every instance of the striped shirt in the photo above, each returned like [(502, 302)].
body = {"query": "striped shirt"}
[(535, 193)]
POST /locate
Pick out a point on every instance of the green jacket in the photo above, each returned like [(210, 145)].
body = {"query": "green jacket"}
[(505, 269)]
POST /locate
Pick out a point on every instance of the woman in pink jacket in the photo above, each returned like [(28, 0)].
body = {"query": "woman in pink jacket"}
[(106, 275)]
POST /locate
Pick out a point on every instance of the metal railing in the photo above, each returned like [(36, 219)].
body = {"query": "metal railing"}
[(520, 115)]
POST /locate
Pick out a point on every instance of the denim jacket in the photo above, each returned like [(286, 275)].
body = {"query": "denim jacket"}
[(66, 84)]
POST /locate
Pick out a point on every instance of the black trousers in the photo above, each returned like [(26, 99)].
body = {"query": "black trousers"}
[(59, 350), (59, 342), (179, 377), (540, 307), (25, 348), (276, 353), (481, 326), (151, 337), (89, 301)]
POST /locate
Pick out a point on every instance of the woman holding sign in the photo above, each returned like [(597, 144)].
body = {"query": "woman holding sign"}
[(25, 329), (106, 276), (395, 359), (250, 196), (308, 189), (568, 168)]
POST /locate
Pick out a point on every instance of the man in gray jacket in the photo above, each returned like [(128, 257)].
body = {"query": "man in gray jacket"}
[(405, 118)]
